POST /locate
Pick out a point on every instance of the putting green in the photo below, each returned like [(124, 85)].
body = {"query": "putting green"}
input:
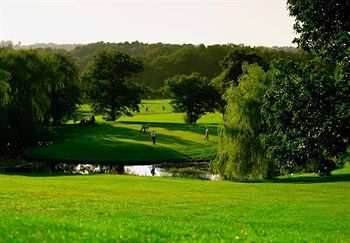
[(121, 141)]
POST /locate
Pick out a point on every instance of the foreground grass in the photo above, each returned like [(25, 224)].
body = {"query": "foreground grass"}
[(121, 141), (130, 208)]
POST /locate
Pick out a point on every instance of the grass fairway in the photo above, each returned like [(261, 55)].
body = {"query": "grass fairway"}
[(139, 209), (121, 141)]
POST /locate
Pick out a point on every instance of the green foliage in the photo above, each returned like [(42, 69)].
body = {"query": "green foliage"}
[(115, 208), (4, 88), (34, 86), (31, 73), (66, 91), (110, 83), (161, 61), (306, 110), (323, 27), (232, 65), (241, 154), (233, 61), (192, 94), (306, 107)]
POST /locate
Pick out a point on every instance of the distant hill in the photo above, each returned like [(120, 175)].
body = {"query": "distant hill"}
[(67, 47), (162, 61)]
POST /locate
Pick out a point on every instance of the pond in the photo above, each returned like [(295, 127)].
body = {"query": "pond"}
[(198, 170)]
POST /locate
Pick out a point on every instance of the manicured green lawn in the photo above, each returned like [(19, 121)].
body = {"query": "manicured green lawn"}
[(117, 208), (121, 141)]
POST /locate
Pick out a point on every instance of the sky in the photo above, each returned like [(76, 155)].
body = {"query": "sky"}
[(248, 22)]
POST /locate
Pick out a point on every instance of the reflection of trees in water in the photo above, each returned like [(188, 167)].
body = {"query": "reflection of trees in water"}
[(181, 169), (89, 168)]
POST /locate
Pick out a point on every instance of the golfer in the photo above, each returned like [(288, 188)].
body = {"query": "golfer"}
[(206, 137), (153, 135)]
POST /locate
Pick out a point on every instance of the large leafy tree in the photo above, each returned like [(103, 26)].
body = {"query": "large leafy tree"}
[(66, 89), (111, 86), (307, 114), (232, 66), (323, 26), (231, 69), (233, 61), (29, 82), (324, 29), (192, 94), (241, 152)]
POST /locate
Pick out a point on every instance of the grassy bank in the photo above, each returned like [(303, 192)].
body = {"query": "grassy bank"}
[(121, 141), (130, 208)]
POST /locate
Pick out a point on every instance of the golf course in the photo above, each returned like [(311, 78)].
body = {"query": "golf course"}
[(122, 142), (59, 207), (175, 121)]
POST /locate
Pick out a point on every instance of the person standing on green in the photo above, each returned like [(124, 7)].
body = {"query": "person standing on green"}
[(153, 135), (206, 137)]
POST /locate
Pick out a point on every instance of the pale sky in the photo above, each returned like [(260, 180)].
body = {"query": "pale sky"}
[(251, 22)]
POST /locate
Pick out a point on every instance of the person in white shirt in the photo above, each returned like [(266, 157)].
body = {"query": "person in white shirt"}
[(153, 135), (206, 137)]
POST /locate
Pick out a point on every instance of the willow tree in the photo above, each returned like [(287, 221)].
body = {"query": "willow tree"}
[(241, 152), (31, 74)]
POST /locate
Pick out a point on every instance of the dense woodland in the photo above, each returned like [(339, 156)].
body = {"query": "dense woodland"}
[(163, 61)]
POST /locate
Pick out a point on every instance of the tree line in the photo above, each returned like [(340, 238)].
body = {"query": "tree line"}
[(163, 61)]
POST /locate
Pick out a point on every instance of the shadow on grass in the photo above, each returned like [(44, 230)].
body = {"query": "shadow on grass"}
[(302, 179), (109, 132), (195, 128), (105, 131), (106, 142), (313, 179)]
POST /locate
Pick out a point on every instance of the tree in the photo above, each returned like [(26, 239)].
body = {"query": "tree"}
[(192, 94), (232, 69), (234, 60), (306, 111), (323, 26), (110, 84), (241, 153), (29, 82), (324, 29), (66, 91)]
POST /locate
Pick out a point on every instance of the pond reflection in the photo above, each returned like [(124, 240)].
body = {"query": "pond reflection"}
[(188, 170), (145, 170)]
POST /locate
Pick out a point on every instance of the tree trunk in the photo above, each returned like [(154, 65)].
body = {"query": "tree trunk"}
[(112, 114)]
